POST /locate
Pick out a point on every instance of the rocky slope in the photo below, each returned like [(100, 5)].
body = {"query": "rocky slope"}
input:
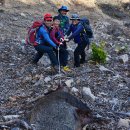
[(105, 88)]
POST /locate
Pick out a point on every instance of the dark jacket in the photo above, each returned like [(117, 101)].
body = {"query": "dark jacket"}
[(64, 22), (76, 31), (56, 34)]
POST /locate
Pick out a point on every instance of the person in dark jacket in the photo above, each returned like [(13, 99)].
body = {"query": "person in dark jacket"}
[(64, 19), (75, 29), (57, 36), (44, 44)]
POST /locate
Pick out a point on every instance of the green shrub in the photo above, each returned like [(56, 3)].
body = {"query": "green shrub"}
[(98, 53)]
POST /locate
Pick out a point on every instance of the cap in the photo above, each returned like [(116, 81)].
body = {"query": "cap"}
[(65, 8), (47, 17), (75, 17)]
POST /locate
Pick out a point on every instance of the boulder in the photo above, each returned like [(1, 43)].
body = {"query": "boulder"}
[(124, 58), (124, 122), (57, 111), (69, 82)]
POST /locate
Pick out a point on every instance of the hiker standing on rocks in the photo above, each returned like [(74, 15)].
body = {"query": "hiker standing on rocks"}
[(64, 19), (57, 36), (43, 43), (76, 28)]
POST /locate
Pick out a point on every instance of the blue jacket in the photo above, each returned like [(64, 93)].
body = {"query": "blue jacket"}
[(64, 22), (76, 33), (42, 37)]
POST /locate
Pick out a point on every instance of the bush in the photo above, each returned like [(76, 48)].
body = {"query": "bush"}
[(98, 53)]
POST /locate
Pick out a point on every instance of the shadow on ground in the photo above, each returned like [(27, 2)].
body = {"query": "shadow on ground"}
[(114, 11)]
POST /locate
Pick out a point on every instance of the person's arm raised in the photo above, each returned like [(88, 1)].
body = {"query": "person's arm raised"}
[(47, 38)]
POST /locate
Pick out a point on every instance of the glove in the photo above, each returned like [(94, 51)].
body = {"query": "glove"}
[(65, 36), (66, 39), (60, 44), (56, 47), (61, 39)]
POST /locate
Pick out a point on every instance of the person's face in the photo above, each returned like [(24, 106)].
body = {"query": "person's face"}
[(48, 23), (74, 22), (63, 12), (56, 22)]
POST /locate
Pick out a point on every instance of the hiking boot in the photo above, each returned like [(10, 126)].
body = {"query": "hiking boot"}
[(66, 69), (76, 65), (82, 61)]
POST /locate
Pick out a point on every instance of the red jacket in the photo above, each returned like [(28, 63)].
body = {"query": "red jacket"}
[(56, 34)]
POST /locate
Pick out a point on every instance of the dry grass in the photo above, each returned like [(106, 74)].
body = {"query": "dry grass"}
[(125, 1), (88, 3), (58, 3)]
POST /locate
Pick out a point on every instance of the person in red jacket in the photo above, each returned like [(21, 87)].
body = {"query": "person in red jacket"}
[(57, 37)]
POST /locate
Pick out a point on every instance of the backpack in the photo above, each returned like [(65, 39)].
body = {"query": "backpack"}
[(31, 35), (87, 28)]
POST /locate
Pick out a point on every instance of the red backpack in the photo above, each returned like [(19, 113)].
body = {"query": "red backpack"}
[(31, 35)]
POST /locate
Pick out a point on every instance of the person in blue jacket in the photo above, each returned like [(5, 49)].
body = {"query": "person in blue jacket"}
[(76, 28), (44, 44), (64, 19)]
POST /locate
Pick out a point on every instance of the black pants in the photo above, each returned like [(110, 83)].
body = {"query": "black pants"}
[(79, 54), (41, 49), (63, 55)]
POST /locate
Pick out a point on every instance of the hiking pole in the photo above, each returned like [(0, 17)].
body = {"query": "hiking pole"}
[(59, 65)]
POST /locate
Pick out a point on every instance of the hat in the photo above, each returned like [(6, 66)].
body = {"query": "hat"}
[(48, 17), (75, 17), (56, 18), (63, 8)]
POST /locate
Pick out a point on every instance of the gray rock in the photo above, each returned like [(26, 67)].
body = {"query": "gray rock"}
[(44, 60), (10, 117), (88, 94), (127, 23), (75, 91), (15, 128), (102, 68), (57, 111), (124, 58), (124, 122), (47, 79), (40, 81), (69, 82)]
